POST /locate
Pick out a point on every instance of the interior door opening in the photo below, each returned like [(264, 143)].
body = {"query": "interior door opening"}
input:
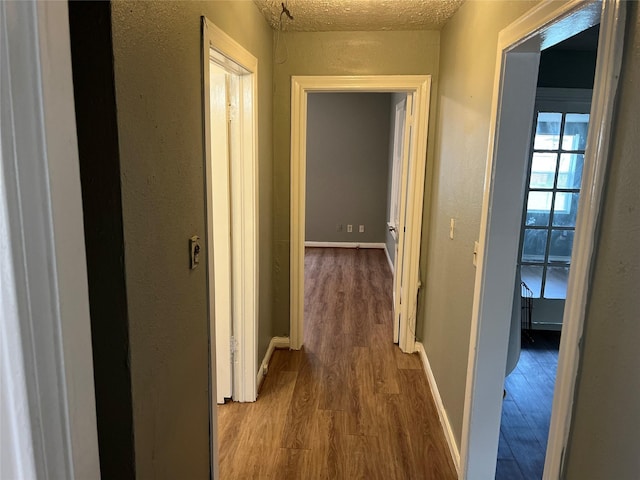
[(358, 148), (230, 173), (411, 199), (518, 60), (554, 174)]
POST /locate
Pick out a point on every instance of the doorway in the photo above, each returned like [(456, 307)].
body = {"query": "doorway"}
[(517, 64), (417, 88), (230, 177)]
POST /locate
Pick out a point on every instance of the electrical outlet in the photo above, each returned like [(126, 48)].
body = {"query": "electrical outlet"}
[(349, 228), (339, 227), (361, 228)]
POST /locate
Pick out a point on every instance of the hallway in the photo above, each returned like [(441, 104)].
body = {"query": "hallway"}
[(350, 404)]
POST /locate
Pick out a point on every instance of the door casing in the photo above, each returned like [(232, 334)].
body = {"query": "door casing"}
[(519, 47), (232, 57), (418, 86)]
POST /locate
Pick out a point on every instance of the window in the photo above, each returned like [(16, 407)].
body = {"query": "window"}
[(551, 205)]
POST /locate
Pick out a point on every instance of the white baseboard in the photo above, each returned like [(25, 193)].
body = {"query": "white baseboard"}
[(343, 245), (386, 251), (442, 413), (276, 342)]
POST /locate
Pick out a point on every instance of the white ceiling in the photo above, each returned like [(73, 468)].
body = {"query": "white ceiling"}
[(358, 15)]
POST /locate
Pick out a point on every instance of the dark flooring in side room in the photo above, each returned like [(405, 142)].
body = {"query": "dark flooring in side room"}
[(526, 410)]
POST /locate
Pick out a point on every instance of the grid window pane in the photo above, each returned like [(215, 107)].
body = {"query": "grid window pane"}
[(543, 170), (531, 275), (547, 131), (534, 245), (561, 246), (555, 285), (565, 209), (575, 131), (539, 209), (554, 181), (570, 170)]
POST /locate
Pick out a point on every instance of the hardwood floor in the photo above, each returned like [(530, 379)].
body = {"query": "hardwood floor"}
[(348, 405), (526, 411)]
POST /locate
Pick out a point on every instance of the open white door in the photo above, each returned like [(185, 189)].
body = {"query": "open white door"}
[(220, 257), (397, 225), (231, 173)]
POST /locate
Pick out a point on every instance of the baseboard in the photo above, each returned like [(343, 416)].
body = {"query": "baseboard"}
[(276, 342), (343, 245), (386, 251), (444, 418)]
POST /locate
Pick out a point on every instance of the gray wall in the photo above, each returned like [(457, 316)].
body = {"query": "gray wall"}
[(389, 241), (347, 156), (158, 76), (332, 53), (604, 435)]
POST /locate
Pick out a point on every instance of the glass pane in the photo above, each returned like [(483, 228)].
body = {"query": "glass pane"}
[(547, 131), (561, 245), (576, 127), (538, 208), (570, 171), (555, 285), (531, 275), (565, 209), (543, 170), (534, 245)]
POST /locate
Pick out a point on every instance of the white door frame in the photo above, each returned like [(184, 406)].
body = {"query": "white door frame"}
[(244, 223), (47, 399), (517, 63), (419, 87)]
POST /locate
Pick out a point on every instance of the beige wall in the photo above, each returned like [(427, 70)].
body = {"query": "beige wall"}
[(331, 53), (604, 437), (157, 55), (605, 433), (467, 63)]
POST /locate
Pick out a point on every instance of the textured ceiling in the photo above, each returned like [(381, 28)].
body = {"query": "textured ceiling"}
[(358, 15)]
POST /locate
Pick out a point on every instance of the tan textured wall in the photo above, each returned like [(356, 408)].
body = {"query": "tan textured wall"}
[(605, 433), (157, 55), (467, 67), (331, 53)]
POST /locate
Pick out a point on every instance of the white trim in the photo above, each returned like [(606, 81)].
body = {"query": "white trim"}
[(343, 245), (46, 243), (417, 85), (386, 252), (275, 343), (442, 413), (490, 314), (609, 61), (245, 195), (244, 186)]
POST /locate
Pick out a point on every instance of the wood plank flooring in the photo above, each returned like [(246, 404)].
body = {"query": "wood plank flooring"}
[(526, 410), (348, 405)]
